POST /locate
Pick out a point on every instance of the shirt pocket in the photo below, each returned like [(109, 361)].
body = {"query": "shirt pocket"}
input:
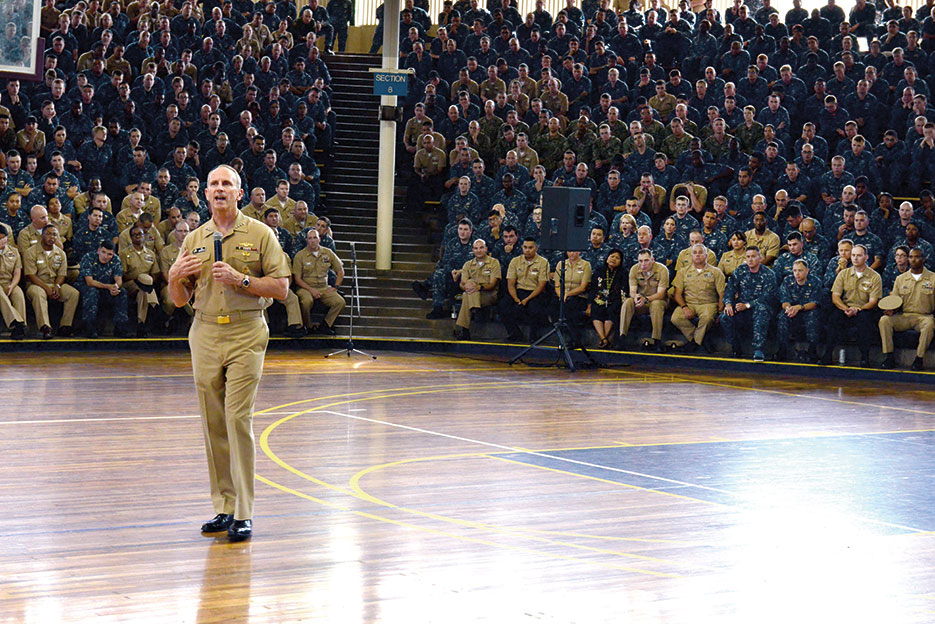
[(247, 262)]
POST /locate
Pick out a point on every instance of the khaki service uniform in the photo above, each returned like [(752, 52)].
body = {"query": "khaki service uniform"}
[(167, 258), (152, 205), (49, 267), (730, 261), (684, 259), (646, 285), (916, 313), (313, 269), (12, 306), (484, 273), (228, 341), (151, 238), (702, 289), (768, 244), (139, 269), (63, 223)]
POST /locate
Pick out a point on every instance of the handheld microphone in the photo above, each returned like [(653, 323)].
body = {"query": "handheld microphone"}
[(218, 255)]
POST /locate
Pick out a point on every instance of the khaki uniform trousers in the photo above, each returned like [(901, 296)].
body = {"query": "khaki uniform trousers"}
[(40, 304), (12, 307), (293, 309), (655, 309), (471, 301), (169, 308), (143, 299), (923, 323), (227, 361), (705, 313), (332, 300)]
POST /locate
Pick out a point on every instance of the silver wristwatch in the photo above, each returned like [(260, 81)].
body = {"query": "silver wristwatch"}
[(246, 281)]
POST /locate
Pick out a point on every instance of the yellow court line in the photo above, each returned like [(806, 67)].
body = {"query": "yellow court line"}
[(408, 525), (264, 445), (361, 493)]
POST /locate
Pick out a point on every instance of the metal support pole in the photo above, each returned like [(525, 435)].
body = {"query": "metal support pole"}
[(387, 160)]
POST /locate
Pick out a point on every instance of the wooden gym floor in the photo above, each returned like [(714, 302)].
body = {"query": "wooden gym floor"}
[(438, 489)]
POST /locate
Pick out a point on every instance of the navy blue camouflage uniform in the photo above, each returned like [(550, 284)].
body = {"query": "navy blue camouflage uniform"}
[(793, 293), (758, 290), (91, 297)]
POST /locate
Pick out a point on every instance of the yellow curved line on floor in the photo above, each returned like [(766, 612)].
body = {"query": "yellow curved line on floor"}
[(267, 450), (408, 525)]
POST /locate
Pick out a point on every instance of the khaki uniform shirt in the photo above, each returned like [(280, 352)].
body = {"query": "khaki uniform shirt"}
[(292, 226), (168, 256), (430, 163), (575, 274), (283, 208), (28, 237), (482, 273), (10, 260), (648, 285), (152, 205), (528, 273), (83, 202), (918, 295), (858, 291), (126, 218), (685, 259), (768, 243), (527, 158), (700, 287), (730, 261), (63, 223), (47, 266), (251, 248), (151, 238), (136, 263), (253, 212), (313, 269)]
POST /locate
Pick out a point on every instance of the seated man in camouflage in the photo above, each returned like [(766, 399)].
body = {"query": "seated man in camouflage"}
[(480, 280), (445, 280), (101, 283), (749, 303), (799, 300)]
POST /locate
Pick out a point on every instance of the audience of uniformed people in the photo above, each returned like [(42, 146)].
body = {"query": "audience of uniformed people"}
[(778, 169), (102, 162)]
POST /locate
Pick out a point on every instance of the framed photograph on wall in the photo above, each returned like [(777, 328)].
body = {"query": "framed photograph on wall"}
[(20, 50)]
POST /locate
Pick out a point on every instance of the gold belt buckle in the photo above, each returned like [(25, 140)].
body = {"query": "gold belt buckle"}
[(224, 320)]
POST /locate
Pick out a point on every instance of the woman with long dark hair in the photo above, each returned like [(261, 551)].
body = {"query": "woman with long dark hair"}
[(607, 284)]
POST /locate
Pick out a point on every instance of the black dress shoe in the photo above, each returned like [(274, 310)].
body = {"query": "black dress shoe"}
[(17, 330), (46, 332), (218, 523), (240, 530), (64, 331)]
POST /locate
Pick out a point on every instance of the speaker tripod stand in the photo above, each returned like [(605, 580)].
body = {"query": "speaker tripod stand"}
[(355, 299), (561, 331)]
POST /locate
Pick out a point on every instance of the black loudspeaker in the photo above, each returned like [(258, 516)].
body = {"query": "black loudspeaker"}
[(566, 215)]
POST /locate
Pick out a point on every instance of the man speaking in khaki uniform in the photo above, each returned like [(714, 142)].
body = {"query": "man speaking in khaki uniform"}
[(228, 339)]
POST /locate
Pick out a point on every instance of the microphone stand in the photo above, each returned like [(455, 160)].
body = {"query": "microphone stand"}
[(355, 299)]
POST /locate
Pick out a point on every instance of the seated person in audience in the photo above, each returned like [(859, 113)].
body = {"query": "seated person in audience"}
[(445, 281), (749, 303), (763, 239), (310, 272), (916, 287), (140, 270), (167, 258), (608, 284), (527, 296), (45, 267), (12, 301), (854, 295), (799, 300), (577, 278), (100, 282), (648, 284), (684, 257), (480, 280), (698, 293)]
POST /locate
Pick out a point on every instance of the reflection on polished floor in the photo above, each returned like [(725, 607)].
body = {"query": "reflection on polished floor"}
[(437, 489)]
